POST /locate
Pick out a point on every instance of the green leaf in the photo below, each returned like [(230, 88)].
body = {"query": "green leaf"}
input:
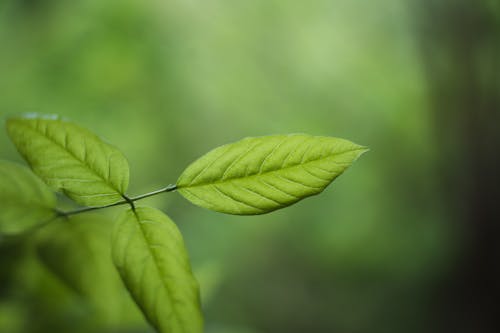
[(71, 159), (149, 253), (259, 175), (26, 200), (78, 251)]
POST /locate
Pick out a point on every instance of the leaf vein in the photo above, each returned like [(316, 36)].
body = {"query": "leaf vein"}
[(270, 154), (263, 196), (299, 183), (234, 199), (316, 176), (207, 166), (271, 172), (44, 132), (159, 271), (278, 189), (236, 160)]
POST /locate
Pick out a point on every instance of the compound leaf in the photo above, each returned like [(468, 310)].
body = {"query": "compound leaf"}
[(71, 159), (26, 200), (150, 256), (262, 174)]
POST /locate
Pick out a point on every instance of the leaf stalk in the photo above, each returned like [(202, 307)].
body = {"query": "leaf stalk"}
[(125, 201)]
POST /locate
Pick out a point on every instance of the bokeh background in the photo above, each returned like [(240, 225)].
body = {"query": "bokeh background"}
[(405, 241)]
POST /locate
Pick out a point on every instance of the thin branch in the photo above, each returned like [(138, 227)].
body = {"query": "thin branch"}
[(169, 188), (126, 201)]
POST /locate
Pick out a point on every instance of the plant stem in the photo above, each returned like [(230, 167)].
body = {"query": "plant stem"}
[(126, 201)]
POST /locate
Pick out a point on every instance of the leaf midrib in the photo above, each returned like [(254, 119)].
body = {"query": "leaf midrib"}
[(270, 172), (46, 136), (155, 259)]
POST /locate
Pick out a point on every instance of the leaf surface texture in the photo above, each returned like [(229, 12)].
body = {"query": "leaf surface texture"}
[(149, 253), (261, 174), (71, 159)]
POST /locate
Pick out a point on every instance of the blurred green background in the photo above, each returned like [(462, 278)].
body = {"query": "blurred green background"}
[(404, 241)]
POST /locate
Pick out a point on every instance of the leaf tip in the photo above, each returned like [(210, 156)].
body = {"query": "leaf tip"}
[(358, 151), (364, 149)]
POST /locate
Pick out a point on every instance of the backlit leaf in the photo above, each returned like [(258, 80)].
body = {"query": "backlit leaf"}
[(262, 174), (25, 200), (150, 256), (71, 159)]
